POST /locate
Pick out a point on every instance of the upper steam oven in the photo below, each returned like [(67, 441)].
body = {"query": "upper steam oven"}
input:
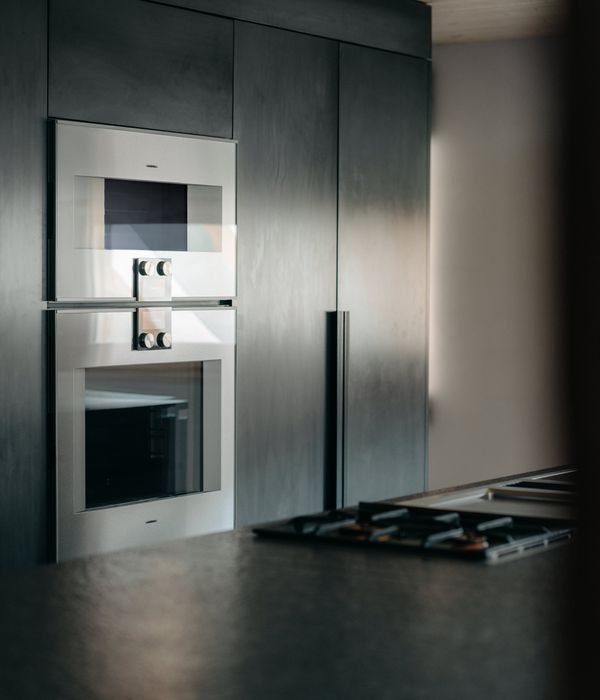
[(142, 215)]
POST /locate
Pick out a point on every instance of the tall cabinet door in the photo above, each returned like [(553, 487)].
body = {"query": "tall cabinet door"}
[(383, 221), (285, 119)]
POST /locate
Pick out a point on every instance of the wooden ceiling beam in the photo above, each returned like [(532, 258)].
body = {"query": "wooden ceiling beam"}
[(489, 20)]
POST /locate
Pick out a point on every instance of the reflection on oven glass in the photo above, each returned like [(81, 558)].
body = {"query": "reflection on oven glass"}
[(144, 215), (139, 215), (143, 432)]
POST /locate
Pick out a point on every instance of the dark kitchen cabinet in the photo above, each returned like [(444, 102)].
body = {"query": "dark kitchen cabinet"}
[(291, 266), (286, 124), (382, 266), (23, 530), (332, 214), (398, 25), (141, 64)]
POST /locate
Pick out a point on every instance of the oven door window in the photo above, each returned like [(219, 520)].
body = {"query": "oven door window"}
[(145, 432), (137, 215)]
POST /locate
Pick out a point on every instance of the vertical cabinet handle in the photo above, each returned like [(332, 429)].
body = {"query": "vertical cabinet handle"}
[(337, 430), (342, 435)]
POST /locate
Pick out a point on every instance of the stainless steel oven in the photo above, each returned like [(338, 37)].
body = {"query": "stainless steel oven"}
[(123, 196), (144, 430)]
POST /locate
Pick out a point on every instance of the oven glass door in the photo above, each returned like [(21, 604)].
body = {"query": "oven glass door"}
[(144, 438), (144, 431), (150, 216), (126, 194)]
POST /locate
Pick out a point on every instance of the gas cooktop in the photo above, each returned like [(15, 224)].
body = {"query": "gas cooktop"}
[(478, 536)]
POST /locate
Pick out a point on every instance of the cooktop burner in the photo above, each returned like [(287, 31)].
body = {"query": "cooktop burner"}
[(453, 533)]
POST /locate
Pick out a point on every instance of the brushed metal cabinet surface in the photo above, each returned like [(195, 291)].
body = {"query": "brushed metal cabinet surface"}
[(383, 192), (401, 25), (285, 120), (134, 63), (22, 211)]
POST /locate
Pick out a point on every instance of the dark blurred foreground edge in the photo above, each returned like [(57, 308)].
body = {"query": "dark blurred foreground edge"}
[(582, 236)]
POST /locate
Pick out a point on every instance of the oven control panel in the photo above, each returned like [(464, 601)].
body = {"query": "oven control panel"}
[(152, 329), (152, 279)]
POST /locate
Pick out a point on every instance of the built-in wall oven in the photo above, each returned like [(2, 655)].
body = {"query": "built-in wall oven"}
[(122, 195), (142, 334), (144, 439)]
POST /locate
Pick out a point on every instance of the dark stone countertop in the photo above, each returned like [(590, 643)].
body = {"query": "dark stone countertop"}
[(231, 616)]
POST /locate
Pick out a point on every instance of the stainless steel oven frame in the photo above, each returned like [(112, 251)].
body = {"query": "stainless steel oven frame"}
[(83, 156), (87, 338)]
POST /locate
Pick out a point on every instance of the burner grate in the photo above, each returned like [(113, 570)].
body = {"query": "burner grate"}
[(452, 533)]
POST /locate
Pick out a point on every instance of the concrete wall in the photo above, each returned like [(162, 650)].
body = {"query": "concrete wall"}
[(495, 302)]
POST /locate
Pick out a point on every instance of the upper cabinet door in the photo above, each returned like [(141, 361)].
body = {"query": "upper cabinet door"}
[(286, 126), (134, 63), (383, 223)]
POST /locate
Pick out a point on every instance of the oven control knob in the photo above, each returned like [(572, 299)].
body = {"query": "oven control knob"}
[(146, 340), (165, 268), (146, 268), (164, 340)]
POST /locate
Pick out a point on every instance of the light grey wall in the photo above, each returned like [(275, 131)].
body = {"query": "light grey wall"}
[(495, 300)]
